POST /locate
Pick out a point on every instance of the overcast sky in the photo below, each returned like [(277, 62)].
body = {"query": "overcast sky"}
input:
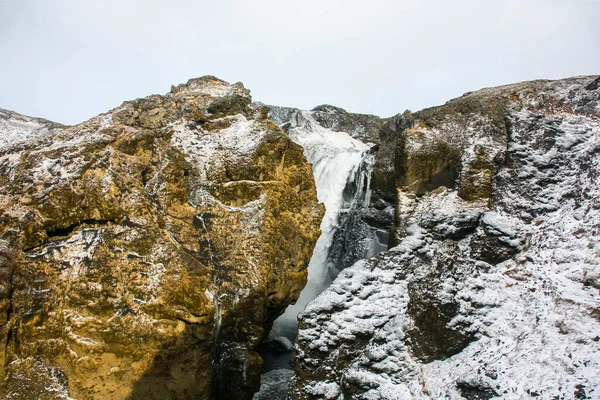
[(68, 60)]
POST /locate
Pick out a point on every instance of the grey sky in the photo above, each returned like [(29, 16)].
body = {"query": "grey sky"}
[(68, 60)]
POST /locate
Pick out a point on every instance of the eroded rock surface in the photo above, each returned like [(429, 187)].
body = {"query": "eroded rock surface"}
[(493, 288), (145, 253)]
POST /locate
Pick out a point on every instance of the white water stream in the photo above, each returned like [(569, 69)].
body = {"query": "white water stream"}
[(335, 159)]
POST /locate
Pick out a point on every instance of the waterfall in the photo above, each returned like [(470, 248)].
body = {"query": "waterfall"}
[(342, 168)]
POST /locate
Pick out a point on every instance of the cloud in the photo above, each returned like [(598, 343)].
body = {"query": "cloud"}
[(68, 60)]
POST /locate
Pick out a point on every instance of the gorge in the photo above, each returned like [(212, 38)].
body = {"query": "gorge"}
[(336, 160), (152, 252)]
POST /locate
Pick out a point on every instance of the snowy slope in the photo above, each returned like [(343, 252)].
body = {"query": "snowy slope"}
[(16, 128)]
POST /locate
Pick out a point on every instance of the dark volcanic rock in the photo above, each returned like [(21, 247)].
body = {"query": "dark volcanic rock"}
[(363, 127)]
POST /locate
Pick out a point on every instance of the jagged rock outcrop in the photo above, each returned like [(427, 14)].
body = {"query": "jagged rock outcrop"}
[(363, 127), (145, 253), (493, 290), (17, 128)]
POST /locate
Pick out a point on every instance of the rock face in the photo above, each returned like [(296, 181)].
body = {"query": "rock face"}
[(145, 253), (493, 288), (17, 128), (363, 127)]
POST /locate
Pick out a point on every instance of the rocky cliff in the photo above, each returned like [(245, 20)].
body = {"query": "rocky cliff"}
[(145, 253), (492, 290)]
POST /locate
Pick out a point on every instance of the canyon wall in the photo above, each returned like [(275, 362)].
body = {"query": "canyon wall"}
[(146, 253)]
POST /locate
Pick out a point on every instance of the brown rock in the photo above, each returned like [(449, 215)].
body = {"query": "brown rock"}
[(143, 256)]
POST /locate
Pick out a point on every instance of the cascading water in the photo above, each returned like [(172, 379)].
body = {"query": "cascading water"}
[(342, 169), (336, 158)]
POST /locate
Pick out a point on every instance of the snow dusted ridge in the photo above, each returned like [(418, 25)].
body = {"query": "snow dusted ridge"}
[(494, 288), (144, 252), (16, 128)]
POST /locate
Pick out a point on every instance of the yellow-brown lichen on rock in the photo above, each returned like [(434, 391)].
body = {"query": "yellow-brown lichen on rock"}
[(143, 253), (427, 159)]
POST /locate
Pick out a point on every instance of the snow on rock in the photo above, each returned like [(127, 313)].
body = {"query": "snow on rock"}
[(16, 128), (493, 288)]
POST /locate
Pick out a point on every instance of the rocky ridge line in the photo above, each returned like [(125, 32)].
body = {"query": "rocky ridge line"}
[(17, 128), (490, 291)]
